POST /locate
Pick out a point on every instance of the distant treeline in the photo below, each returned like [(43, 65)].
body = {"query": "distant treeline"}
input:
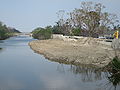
[(46, 33), (90, 20), (6, 32)]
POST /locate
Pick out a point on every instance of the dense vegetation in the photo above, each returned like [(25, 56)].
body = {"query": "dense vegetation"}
[(90, 20), (6, 32), (115, 64), (114, 71), (42, 33)]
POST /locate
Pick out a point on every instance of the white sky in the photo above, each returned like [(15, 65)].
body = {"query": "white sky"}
[(26, 15)]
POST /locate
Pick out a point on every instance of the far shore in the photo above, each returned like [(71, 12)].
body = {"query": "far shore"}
[(87, 51)]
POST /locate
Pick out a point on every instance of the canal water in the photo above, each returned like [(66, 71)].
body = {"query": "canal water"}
[(23, 69)]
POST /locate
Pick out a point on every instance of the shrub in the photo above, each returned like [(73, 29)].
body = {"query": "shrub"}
[(116, 63), (76, 32), (42, 33)]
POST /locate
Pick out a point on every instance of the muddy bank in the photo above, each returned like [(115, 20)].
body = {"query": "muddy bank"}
[(87, 51)]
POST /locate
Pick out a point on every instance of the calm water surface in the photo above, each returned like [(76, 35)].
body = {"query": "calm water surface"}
[(22, 69)]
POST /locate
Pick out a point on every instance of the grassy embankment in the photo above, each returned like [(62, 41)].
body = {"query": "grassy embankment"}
[(6, 32)]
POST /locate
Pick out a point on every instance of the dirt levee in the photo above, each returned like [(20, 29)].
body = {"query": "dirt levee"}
[(83, 51)]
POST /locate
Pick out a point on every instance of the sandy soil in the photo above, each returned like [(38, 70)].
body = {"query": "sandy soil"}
[(83, 51)]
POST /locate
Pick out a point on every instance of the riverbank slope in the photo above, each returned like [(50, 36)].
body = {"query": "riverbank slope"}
[(88, 51)]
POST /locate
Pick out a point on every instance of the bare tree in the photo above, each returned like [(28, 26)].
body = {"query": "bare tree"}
[(90, 17), (63, 24)]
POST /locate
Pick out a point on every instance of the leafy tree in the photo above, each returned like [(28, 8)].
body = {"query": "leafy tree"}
[(76, 32), (42, 33), (3, 31), (56, 30), (6, 32)]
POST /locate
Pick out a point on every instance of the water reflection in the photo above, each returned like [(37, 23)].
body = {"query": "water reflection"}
[(1, 41), (114, 79), (21, 68), (88, 74), (1, 49)]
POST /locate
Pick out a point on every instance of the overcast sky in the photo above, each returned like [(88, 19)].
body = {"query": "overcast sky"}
[(26, 15)]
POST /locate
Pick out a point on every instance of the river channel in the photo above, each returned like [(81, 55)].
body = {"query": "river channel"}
[(23, 69)]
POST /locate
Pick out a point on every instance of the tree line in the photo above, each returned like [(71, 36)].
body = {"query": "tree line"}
[(90, 20), (6, 32)]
